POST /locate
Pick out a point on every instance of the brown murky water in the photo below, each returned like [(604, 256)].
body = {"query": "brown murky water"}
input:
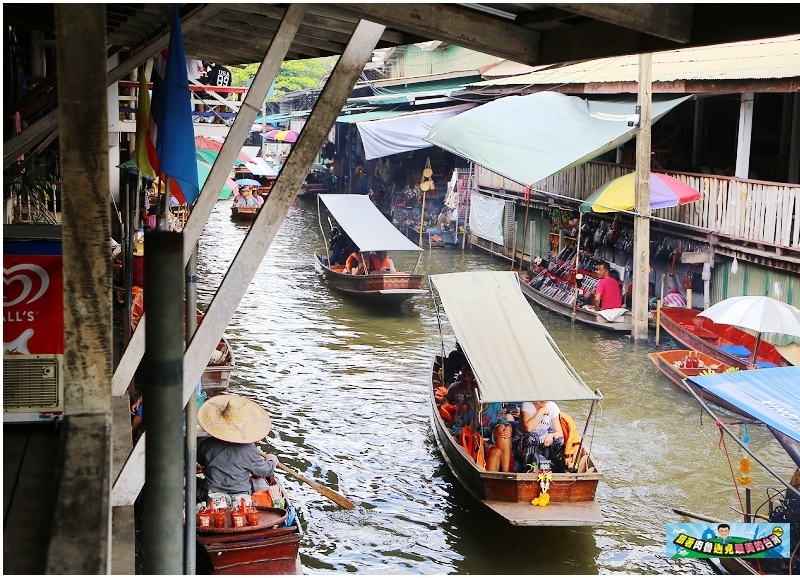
[(347, 390)]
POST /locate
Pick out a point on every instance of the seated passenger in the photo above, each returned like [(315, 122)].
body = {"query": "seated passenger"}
[(607, 294), (354, 265), (539, 436), (463, 387), (453, 364), (247, 199), (380, 262), (496, 418)]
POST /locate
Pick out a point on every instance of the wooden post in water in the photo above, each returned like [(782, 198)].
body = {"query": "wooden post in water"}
[(641, 223)]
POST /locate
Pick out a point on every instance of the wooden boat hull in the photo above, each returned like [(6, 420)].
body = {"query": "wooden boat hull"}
[(244, 214), (665, 361), (623, 324), (703, 335), (383, 287), (573, 495), (272, 551)]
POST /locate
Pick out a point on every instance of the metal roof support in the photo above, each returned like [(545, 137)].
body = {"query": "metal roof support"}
[(81, 534), (271, 216)]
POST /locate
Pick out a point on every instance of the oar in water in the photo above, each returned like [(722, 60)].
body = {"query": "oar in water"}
[(325, 491)]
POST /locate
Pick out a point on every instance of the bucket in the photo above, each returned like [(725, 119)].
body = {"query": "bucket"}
[(263, 498)]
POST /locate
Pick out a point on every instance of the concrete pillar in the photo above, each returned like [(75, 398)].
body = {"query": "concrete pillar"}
[(81, 537), (697, 136), (113, 132), (745, 134), (641, 223)]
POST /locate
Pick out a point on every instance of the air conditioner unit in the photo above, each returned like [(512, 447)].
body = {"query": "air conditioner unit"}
[(33, 388)]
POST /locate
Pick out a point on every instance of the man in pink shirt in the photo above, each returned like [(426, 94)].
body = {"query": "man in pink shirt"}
[(607, 294)]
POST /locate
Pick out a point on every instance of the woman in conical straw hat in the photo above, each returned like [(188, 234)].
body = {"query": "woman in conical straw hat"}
[(230, 459)]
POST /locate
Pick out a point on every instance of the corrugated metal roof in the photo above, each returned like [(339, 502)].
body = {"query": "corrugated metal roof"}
[(765, 59)]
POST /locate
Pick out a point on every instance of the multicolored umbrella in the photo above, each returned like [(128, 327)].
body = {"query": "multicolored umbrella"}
[(202, 142), (282, 135), (619, 194), (229, 189), (210, 156)]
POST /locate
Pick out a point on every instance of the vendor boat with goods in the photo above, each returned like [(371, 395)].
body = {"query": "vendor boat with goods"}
[(245, 523), (498, 332), (771, 397), (369, 231), (679, 364), (556, 285)]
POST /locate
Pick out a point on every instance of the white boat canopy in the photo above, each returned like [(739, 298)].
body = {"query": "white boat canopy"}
[(365, 224), (510, 351)]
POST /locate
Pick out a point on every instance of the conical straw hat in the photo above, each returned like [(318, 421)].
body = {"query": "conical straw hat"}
[(233, 418)]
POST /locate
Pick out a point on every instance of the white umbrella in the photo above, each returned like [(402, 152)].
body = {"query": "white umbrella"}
[(761, 314)]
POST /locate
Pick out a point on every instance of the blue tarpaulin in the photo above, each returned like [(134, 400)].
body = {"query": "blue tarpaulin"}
[(772, 396)]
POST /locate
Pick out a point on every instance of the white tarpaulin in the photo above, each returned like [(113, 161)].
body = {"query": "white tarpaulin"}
[(511, 353), (486, 217), (404, 132), (365, 224), (261, 167), (528, 138)]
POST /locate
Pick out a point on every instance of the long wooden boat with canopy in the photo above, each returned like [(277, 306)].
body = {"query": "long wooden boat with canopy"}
[(366, 226), (771, 397), (514, 359)]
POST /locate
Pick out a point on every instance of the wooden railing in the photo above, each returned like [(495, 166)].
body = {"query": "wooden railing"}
[(746, 210)]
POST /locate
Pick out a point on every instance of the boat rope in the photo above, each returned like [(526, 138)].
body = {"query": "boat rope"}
[(724, 447)]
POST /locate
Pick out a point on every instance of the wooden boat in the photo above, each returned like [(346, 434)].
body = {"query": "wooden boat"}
[(623, 323), (271, 547), (216, 377), (770, 397), (369, 229), (244, 213), (382, 287), (671, 364), (476, 302), (727, 343)]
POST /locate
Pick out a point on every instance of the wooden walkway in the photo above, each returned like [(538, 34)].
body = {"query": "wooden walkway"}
[(32, 455)]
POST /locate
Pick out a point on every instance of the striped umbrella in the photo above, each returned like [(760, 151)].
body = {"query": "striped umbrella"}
[(203, 142), (282, 135), (619, 194)]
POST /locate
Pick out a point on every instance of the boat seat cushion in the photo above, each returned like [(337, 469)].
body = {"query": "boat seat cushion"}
[(737, 350)]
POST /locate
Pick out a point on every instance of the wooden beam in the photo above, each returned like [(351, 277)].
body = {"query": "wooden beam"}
[(81, 535), (458, 26), (671, 21)]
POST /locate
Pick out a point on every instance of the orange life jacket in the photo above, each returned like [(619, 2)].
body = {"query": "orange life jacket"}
[(353, 260), (472, 441), (572, 439)]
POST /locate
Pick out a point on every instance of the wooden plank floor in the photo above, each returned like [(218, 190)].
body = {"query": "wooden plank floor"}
[(31, 454)]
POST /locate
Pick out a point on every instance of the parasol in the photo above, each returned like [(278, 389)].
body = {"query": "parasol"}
[(759, 313), (228, 189), (210, 156), (620, 194), (203, 142), (282, 135), (248, 182)]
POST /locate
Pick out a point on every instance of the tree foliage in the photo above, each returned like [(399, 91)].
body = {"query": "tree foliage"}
[(293, 75)]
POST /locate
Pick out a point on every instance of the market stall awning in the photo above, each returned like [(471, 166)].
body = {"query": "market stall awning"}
[(404, 132), (513, 356), (365, 224), (770, 395), (528, 138)]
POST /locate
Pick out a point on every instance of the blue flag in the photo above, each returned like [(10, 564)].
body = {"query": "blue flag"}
[(171, 145)]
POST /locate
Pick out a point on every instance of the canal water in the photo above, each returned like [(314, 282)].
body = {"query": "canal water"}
[(347, 389)]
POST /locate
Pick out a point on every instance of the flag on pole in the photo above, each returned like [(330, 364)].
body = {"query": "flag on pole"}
[(142, 123), (170, 142)]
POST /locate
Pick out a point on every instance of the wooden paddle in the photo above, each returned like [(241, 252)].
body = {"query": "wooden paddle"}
[(327, 492)]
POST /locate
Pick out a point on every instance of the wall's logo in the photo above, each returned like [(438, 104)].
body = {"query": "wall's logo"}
[(23, 280)]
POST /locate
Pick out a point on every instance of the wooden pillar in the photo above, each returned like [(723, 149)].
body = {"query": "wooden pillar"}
[(697, 137), (641, 223), (744, 136), (81, 537), (794, 144)]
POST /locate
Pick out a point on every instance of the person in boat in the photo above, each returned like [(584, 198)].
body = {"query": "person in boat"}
[(453, 364), (607, 294), (231, 462), (247, 199), (137, 263), (354, 265), (498, 425), (462, 388), (539, 436), (380, 262), (339, 243)]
